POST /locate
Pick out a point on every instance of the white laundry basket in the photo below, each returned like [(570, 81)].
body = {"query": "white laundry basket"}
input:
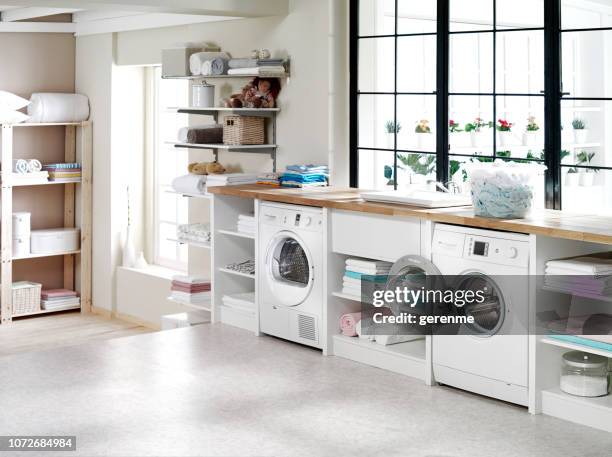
[(26, 297)]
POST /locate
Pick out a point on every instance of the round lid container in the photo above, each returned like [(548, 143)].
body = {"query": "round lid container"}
[(585, 360)]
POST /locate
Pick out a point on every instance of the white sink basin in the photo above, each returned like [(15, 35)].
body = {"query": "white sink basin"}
[(422, 198)]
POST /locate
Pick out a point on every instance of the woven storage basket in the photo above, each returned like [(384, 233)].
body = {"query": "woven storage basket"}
[(26, 297), (243, 130)]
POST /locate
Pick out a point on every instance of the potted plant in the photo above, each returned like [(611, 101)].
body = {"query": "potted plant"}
[(504, 129), (392, 128), (572, 178), (454, 134), (478, 135), (586, 176), (530, 136), (421, 166), (423, 133), (580, 131)]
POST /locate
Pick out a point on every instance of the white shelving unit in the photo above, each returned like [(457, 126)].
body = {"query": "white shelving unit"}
[(77, 213)]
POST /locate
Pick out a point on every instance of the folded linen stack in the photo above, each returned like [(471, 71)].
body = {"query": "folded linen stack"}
[(190, 289), (190, 184), (269, 179), (198, 233), (231, 179), (303, 176), (63, 172), (259, 67), (364, 273), (241, 302), (584, 275), (59, 299), (246, 224), (201, 134), (247, 267)]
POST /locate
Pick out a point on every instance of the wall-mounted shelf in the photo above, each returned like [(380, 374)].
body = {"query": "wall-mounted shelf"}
[(236, 273), (188, 195), (237, 234), (254, 148), (264, 112), (47, 124), (191, 243)]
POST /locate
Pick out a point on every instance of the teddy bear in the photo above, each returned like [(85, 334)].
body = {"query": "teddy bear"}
[(206, 168), (259, 93)]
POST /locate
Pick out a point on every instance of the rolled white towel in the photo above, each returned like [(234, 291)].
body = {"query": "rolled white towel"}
[(57, 107), (20, 166), (196, 60), (190, 184), (34, 166)]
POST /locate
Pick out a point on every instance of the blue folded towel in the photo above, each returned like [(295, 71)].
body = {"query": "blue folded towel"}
[(303, 178), (363, 277)]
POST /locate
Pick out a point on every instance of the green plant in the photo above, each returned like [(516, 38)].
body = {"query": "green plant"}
[(477, 125), (532, 125), (562, 155), (388, 173), (504, 154), (572, 170), (578, 124), (454, 127), (504, 126), (392, 127), (421, 164), (422, 126), (454, 167), (584, 158)]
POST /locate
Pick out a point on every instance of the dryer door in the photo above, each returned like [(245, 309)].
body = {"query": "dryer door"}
[(289, 269)]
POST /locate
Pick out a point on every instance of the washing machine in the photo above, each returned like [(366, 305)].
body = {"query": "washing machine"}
[(490, 355), (290, 265)]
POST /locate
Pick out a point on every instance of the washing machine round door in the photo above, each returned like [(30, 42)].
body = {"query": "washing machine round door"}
[(289, 269), (489, 315)]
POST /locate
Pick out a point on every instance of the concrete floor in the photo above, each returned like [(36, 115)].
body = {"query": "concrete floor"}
[(219, 391)]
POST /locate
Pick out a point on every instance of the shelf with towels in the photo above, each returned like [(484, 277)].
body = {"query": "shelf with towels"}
[(48, 311), (196, 244), (255, 148), (236, 273), (576, 347), (265, 112)]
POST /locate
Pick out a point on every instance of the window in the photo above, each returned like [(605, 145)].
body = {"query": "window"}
[(168, 208), (437, 83)]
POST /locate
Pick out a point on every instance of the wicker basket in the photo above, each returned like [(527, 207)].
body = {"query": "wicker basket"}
[(26, 297), (243, 130)]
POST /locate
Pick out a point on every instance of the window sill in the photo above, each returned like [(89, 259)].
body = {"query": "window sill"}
[(154, 271)]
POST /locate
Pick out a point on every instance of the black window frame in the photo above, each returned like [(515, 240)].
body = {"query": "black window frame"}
[(553, 94)]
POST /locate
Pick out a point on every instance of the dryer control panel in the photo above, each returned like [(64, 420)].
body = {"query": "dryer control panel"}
[(291, 218)]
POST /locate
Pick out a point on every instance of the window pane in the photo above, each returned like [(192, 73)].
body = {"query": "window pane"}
[(587, 191), (416, 115), (520, 14), (417, 17), (376, 17), (520, 62), (471, 15), (415, 169), (167, 249), (471, 63), (416, 61), (375, 119), (375, 169), (472, 130), (587, 15), (585, 59), (586, 125), (526, 136), (376, 65)]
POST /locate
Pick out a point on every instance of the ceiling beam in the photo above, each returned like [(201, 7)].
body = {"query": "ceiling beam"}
[(22, 14), (233, 8), (38, 27), (100, 15)]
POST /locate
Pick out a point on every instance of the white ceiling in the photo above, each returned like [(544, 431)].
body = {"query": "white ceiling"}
[(103, 16)]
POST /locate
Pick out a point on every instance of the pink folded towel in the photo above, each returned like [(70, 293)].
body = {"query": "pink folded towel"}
[(348, 324)]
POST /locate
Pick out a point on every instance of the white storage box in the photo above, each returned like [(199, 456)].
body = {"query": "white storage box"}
[(55, 240), (21, 246), (175, 61), (21, 225)]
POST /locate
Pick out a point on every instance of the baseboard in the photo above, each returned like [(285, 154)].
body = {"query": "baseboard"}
[(137, 321), (101, 312)]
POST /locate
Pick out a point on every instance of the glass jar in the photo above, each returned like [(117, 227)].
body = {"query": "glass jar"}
[(584, 374)]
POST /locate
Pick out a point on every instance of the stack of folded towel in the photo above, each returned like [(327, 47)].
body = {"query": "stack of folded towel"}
[(201, 134), (247, 267), (260, 67), (231, 179), (246, 224), (190, 184), (361, 273), (59, 299), (198, 233), (241, 302), (209, 63), (190, 289), (63, 172), (303, 176), (585, 275), (269, 179)]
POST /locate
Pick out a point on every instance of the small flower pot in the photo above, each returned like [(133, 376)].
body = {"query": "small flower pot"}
[(480, 139), (572, 179), (504, 138), (458, 140), (390, 137), (424, 141), (586, 178), (581, 136), (530, 138)]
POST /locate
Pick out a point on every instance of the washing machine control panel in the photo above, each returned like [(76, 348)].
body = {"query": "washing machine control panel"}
[(496, 250), (292, 219)]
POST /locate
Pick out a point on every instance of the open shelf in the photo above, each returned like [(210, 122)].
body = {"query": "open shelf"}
[(346, 296), (203, 306), (576, 347), (192, 243), (236, 273), (213, 111), (237, 234), (189, 195), (253, 75), (594, 412), (578, 294), (18, 183), (404, 358), (49, 311), (46, 124), (49, 254), (256, 148)]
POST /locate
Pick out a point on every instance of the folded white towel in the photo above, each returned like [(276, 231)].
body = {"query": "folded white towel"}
[(265, 70), (368, 264), (584, 265), (368, 271), (190, 184), (12, 117), (190, 279)]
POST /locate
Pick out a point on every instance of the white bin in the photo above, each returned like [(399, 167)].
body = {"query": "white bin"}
[(55, 240), (21, 246), (21, 225)]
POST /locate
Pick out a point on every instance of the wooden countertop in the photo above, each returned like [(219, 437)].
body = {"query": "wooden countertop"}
[(555, 224)]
